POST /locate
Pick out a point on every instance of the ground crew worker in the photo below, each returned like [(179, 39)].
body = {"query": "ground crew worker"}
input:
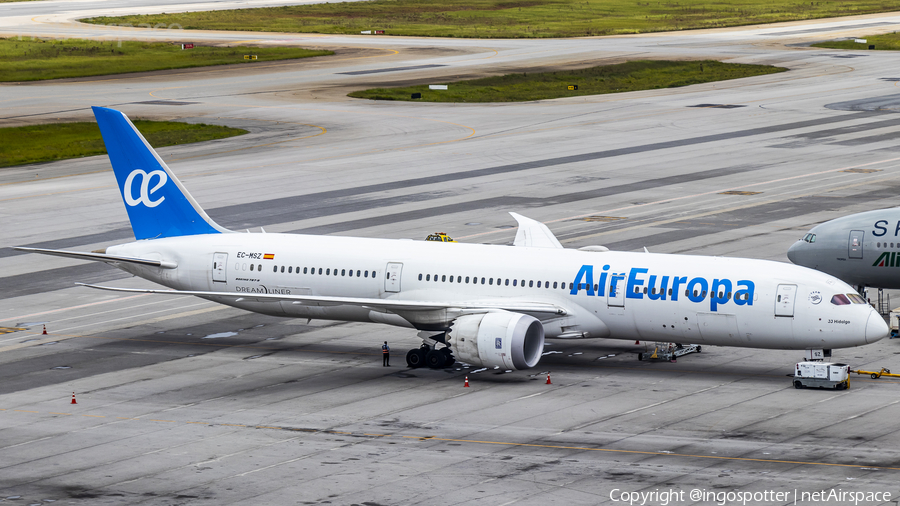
[(385, 355)]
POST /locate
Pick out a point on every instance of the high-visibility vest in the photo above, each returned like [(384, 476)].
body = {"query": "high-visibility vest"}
[(385, 348)]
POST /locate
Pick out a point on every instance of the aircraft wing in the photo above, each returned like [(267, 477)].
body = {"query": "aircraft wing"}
[(101, 257), (534, 233), (392, 305)]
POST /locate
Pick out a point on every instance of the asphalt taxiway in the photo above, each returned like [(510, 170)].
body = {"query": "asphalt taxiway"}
[(187, 402)]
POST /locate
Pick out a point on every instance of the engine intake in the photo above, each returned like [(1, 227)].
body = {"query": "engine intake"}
[(500, 338)]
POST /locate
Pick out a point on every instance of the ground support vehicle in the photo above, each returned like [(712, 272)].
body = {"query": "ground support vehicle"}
[(822, 375), (669, 351)]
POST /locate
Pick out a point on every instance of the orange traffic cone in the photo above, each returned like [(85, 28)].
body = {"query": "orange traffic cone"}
[(73, 398), (467, 382), (45, 331), (548, 379)]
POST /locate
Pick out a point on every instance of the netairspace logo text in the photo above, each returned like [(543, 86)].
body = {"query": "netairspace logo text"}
[(671, 496)]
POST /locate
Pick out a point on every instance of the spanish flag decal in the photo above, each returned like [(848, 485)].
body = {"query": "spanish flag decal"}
[(269, 256)]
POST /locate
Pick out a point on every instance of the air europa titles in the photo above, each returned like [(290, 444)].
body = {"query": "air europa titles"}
[(639, 284)]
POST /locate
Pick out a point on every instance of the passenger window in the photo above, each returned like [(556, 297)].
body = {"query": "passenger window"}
[(428, 277), (506, 282), (523, 283), (571, 285), (320, 270), (645, 289), (530, 284), (304, 270), (420, 277), (282, 268), (546, 284), (251, 267), (444, 278), (328, 272), (435, 278), (703, 294), (515, 282), (451, 279), (459, 279), (539, 284), (343, 272), (366, 274), (274, 269), (491, 281), (554, 284), (670, 292), (467, 279), (482, 281), (695, 293)]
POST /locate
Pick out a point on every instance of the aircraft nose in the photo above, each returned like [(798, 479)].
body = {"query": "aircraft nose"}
[(876, 328), (793, 253)]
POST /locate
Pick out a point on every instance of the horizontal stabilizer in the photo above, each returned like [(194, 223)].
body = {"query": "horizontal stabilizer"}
[(101, 257), (391, 305)]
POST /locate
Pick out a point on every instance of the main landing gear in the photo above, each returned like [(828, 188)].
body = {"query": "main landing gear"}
[(430, 355)]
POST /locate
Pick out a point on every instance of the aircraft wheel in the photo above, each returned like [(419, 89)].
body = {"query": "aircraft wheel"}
[(699, 349), (449, 357), (415, 358), (436, 359), (798, 385), (640, 356)]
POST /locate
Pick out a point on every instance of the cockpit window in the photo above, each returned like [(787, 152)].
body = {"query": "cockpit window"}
[(856, 298), (840, 300), (810, 238)]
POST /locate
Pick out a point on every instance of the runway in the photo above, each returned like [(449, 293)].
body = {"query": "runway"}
[(188, 402)]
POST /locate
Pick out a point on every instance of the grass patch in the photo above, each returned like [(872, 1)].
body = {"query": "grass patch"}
[(31, 60), (61, 141), (886, 42), (507, 18), (629, 76)]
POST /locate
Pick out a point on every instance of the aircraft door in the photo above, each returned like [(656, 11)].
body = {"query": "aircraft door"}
[(392, 277), (220, 263), (856, 244), (615, 296), (784, 300)]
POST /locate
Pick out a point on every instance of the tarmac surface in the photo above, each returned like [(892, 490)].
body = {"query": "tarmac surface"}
[(188, 402)]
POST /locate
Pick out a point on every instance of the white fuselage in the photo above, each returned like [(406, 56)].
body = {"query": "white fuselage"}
[(729, 302)]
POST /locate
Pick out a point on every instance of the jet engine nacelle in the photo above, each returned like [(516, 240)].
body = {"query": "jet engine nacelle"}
[(501, 338)]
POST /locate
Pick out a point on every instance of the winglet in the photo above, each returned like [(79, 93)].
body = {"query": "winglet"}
[(158, 204), (534, 234)]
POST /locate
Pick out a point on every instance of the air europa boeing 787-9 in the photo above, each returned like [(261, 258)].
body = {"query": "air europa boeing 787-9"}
[(487, 305)]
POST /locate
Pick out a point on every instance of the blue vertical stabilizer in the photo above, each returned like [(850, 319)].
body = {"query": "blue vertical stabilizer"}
[(158, 204)]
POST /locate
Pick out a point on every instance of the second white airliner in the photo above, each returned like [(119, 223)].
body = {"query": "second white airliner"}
[(485, 305)]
